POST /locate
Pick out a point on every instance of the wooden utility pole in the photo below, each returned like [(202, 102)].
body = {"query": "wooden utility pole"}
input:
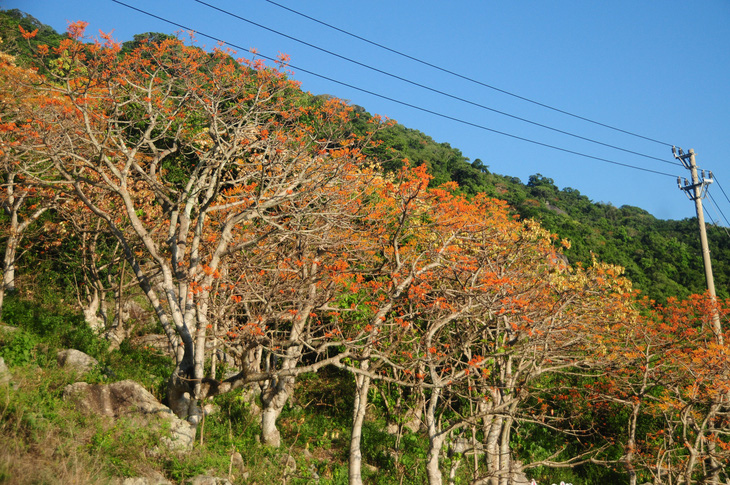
[(697, 190)]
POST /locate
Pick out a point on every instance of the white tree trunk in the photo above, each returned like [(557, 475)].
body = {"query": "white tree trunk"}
[(274, 399), (91, 312), (435, 439), (495, 429), (362, 384), (433, 471), (505, 458)]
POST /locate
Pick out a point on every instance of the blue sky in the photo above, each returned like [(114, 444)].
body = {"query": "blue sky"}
[(658, 69)]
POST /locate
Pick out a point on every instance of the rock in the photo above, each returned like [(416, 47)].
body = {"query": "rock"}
[(76, 360), (155, 479), (518, 476), (4, 373), (313, 472), (289, 463), (157, 342), (130, 399), (207, 480), (237, 460), (459, 446)]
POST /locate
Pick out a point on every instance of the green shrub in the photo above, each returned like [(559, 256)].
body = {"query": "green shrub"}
[(18, 348)]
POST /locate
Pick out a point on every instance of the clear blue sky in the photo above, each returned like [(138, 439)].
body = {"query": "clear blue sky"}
[(660, 69)]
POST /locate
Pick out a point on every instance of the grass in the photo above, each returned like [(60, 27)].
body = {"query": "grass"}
[(44, 439)]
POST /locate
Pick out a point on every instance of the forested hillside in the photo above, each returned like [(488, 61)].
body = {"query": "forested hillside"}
[(661, 257), (319, 295)]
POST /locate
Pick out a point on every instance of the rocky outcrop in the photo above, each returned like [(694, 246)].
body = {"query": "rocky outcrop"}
[(157, 342), (76, 360), (129, 399)]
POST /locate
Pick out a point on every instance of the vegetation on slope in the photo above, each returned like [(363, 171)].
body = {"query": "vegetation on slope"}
[(248, 217)]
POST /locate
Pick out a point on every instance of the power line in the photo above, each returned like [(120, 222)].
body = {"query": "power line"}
[(714, 222), (428, 88), (720, 187), (403, 103), (715, 204), (466, 78)]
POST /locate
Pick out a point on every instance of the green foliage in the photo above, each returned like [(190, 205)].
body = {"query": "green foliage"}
[(13, 42), (53, 323), (17, 348)]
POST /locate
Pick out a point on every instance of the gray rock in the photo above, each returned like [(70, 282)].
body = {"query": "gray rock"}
[(129, 399), (237, 460), (207, 480), (76, 360), (158, 342), (4, 373), (313, 472), (289, 463), (155, 479)]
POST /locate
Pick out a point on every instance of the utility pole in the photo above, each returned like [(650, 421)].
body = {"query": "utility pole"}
[(697, 190)]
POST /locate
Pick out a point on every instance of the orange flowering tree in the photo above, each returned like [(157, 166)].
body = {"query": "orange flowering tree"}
[(192, 160), (468, 305), (23, 199), (668, 367)]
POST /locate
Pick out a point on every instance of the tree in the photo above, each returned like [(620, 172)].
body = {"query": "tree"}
[(669, 369), (22, 200), (191, 160), (471, 307)]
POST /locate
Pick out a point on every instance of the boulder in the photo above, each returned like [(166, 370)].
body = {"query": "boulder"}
[(207, 480), (155, 479), (157, 342), (288, 463), (76, 360), (129, 399), (4, 373)]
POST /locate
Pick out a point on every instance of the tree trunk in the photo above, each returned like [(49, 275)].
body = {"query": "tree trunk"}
[(91, 311), (492, 431), (8, 283), (505, 460), (435, 440), (274, 399), (631, 444), (433, 471), (362, 386)]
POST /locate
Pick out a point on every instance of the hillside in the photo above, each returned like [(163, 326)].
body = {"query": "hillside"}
[(662, 257), (272, 286)]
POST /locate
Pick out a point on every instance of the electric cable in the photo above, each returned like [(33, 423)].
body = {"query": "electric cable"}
[(403, 103), (717, 207), (714, 222), (720, 187), (429, 88), (467, 78)]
